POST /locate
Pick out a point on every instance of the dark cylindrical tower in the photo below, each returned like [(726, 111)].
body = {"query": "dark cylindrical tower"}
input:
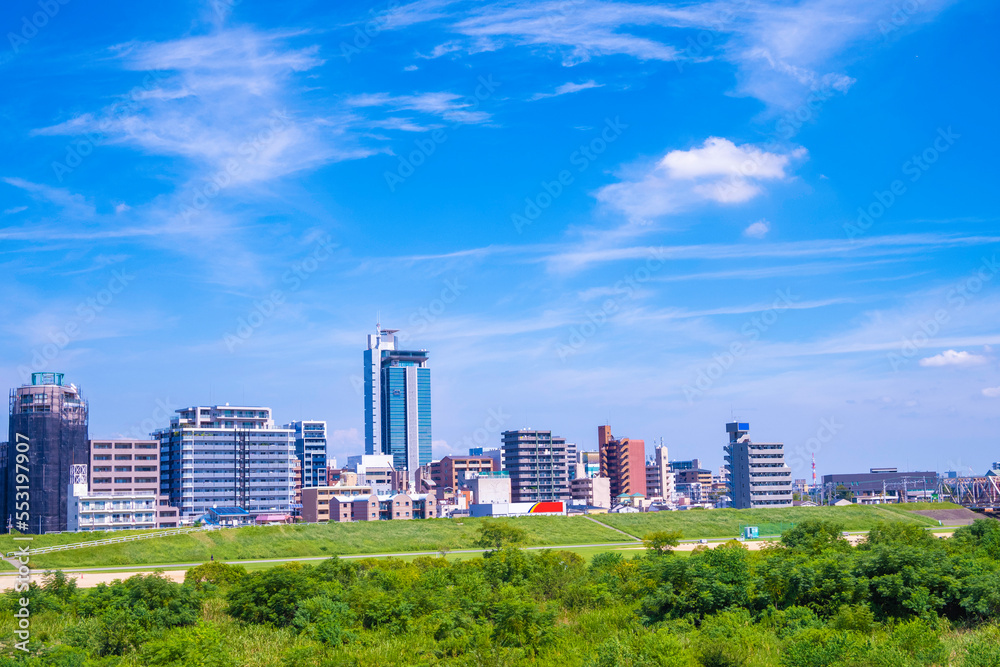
[(48, 426)]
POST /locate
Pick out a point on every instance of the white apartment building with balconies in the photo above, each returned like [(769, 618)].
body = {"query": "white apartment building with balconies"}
[(227, 456), (756, 471)]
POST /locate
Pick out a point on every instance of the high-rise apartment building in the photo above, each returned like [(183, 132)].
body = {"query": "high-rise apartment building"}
[(758, 476), (623, 461), (48, 423), (310, 449), (659, 478), (397, 402), (228, 456), (538, 464)]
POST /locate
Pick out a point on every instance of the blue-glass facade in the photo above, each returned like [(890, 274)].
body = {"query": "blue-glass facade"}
[(397, 402)]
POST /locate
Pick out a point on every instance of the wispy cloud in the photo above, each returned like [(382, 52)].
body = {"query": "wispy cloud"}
[(449, 106), (214, 98), (67, 202), (567, 88), (782, 52)]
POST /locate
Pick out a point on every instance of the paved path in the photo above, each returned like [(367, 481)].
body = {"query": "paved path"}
[(617, 530)]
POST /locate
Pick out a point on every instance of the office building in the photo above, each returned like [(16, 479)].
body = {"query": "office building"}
[(538, 465), (397, 402), (310, 450), (881, 485), (227, 456), (48, 421), (691, 464), (758, 476), (623, 461), (452, 471), (659, 478)]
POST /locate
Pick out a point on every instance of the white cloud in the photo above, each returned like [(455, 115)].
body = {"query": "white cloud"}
[(215, 98), (757, 230), (567, 88), (782, 51), (992, 392), (449, 106), (16, 209), (718, 171), (953, 358), (68, 202)]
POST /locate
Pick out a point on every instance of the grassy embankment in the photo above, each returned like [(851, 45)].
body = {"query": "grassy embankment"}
[(317, 540), (696, 524), (306, 540)]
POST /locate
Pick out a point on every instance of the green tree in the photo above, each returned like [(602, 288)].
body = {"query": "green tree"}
[(661, 542), (271, 596), (500, 534)]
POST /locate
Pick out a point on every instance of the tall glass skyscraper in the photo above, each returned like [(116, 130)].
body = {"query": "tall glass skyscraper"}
[(397, 402)]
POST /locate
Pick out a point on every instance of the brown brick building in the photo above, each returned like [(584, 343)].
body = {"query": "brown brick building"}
[(623, 461)]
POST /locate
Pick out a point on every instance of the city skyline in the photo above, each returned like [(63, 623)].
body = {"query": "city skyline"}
[(625, 213)]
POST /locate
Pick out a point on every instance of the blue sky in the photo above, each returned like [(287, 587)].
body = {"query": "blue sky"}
[(655, 214)]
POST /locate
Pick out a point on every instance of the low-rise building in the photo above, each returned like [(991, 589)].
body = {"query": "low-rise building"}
[(113, 510), (881, 485), (595, 491), (451, 471), (490, 487), (316, 500)]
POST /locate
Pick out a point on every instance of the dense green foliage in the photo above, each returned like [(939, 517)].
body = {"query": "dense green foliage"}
[(902, 598)]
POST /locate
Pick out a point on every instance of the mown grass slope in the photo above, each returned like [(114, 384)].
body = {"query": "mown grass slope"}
[(322, 540), (726, 523)]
